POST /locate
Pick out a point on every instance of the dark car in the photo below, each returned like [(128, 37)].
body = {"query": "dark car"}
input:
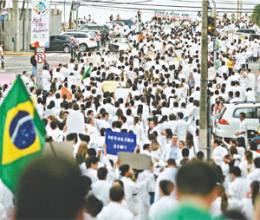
[(254, 36), (127, 22), (59, 43), (246, 31)]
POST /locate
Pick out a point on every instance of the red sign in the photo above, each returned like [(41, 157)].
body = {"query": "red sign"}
[(40, 57)]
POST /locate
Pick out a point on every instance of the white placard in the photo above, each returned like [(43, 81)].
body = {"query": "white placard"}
[(40, 24)]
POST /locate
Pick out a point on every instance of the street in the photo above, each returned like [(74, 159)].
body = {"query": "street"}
[(17, 64)]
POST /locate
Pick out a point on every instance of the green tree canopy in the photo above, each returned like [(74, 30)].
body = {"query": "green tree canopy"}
[(256, 15)]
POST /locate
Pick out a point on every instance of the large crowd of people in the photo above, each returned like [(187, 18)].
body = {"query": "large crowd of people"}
[(153, 90)]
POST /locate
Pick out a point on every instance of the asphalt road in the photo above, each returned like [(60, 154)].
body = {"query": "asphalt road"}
[(17, 64)]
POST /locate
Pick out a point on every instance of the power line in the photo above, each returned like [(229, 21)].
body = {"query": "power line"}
[(145, 4), (230, 10)]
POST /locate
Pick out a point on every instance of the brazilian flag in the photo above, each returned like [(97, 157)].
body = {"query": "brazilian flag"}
[(22, 134)]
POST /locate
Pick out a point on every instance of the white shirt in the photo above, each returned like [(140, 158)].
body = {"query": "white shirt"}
[(101, 190), (238, 188), (162, 206), (243, 128), (115, 211), (75, 122), (255, 175), (6, 200), (219, 153), (181, 130), (167, 174), (92, 174), (130, 190)]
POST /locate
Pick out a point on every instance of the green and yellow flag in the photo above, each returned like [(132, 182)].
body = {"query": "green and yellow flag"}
[(22, 134), (87, 72)]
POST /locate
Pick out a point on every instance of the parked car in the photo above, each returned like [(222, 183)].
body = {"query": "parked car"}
[(86, 40), (119, 44), (59, 43), (93, 27), (227, 123), (246, 31), (254, 37), (127, 22)]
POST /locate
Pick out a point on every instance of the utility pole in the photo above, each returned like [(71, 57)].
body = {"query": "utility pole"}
[(64, 15), (17, 26), (239, 9), (203, 134), (27, 47), (214, 15), (77, 13)]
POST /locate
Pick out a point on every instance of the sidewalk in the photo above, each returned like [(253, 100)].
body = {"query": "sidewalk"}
[(20, 53)]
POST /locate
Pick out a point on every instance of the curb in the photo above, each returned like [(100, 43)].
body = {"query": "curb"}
[(13, 53)]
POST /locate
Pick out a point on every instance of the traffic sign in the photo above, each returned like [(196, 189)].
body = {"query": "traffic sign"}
[(40, 57)]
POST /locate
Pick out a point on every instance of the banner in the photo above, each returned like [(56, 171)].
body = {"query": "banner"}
[(120, 142), (7, 78), (136, 161), (179, 16), (40, 22)]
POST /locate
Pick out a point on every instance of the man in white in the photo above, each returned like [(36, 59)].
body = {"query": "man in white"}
[(239, 186), (181, 128), (130, 188), (115, 209), (255, 175), (168, 174), (242, 133), (75, 122), (166, 202), (101, 188), (218, 152)]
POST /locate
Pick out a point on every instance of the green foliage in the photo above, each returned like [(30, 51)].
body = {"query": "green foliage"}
[(256, 15)]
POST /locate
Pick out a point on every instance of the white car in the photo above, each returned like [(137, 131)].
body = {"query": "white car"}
[(119, 44), (227, 122), (86, 40)]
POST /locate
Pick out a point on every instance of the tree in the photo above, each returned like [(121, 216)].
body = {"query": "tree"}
[(256, 15)]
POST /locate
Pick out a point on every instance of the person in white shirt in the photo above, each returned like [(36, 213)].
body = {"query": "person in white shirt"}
[(242, 133), (115, 209), (239, 186), (91, 172), (250, 95), (130, 188), (6, 201), (93, 207), (181, 127), (169, 173), (101, 187), (248, 203), (255, 175), (75, 122), (218, 152), (165, 203)]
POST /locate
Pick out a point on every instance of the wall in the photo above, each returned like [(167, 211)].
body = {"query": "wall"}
[(8, 30)]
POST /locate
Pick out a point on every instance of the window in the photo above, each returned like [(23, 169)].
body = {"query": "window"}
[(250, 112)]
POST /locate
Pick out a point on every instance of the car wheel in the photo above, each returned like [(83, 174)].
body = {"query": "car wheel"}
[(83, 47), (66, 49)]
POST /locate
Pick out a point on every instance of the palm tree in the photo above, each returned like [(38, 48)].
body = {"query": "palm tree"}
[(256, 15)]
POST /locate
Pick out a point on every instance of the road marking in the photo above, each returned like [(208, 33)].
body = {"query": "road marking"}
[(51, 54)]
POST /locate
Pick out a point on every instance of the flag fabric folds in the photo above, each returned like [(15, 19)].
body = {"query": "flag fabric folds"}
[(22, 134)]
